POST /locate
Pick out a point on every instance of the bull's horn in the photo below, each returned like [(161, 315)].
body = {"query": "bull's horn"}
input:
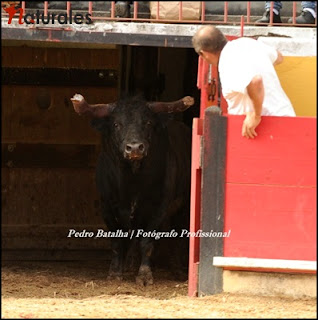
[(95, 110), (169, 107)]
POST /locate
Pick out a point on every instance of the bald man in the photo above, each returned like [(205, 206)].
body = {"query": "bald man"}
[(249, 81)]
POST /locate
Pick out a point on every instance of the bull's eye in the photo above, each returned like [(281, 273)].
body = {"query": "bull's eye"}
[(149, 123), (116, 125)]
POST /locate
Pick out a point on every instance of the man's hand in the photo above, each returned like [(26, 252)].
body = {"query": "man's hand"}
[(249, 124), (255, 91)]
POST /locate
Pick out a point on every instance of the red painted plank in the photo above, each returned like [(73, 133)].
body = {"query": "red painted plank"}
[(274, 222), (195, 206), (284, 153), (204, 87)]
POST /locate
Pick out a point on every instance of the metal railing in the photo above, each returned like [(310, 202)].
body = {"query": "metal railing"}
[(134, 16)]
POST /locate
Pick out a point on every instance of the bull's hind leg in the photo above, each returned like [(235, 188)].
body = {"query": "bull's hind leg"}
[(144, 277), (180, 246), (132, 259), (116, 265), (117, 244)]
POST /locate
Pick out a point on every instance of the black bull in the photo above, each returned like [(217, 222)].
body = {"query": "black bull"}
[(143, 172)]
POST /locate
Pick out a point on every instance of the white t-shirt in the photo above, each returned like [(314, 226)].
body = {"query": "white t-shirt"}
[(240, 61)]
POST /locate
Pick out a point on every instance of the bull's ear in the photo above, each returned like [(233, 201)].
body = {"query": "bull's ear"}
[(170, 107), (93, 110)]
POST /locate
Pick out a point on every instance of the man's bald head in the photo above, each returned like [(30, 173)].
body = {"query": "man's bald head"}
[(208, 38)]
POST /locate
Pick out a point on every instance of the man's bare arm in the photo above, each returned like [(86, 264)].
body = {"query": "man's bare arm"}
[(255, 91)]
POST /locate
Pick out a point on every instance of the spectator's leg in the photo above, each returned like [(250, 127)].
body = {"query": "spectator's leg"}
[(276, 12), (122, 9), (308, 14)]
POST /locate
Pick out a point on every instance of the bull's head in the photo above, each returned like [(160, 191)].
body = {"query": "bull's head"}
[(131, 122)]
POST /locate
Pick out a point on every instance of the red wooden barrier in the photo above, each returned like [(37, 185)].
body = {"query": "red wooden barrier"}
[(270, 190), (269, 204)]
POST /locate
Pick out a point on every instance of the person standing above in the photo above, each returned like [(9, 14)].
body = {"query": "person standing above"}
[(248, 78), (307, 16)]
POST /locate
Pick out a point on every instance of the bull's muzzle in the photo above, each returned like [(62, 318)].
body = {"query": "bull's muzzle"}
[(135, 151)]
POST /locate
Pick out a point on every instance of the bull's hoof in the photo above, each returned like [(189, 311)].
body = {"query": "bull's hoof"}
[(115, 276), (144, 277)]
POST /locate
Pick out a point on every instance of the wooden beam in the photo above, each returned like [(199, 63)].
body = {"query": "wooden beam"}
[(59, 254), (96, 37), (24, 155), (212, 200), (59, 76)]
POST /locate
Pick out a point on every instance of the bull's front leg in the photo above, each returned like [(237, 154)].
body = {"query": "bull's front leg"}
[(117, 244), (147, 244), (117, 261), (144, 276)]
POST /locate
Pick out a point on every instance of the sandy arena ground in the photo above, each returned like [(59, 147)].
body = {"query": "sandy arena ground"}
[(80, 290)]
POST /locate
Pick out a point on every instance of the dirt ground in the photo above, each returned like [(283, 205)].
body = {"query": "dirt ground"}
[(80, 290)]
